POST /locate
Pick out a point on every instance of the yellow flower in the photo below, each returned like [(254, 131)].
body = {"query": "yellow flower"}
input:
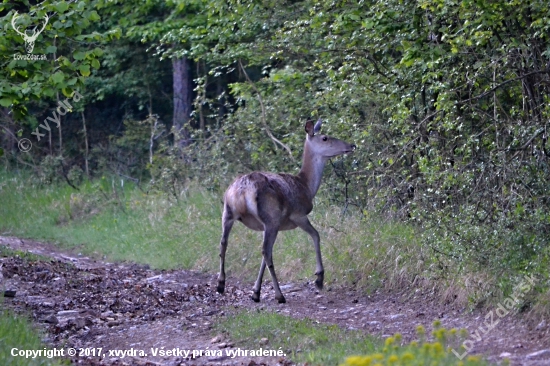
[(397, 337), (392, 359), (437, 347), (407, 357), (358, 361), (439, 334), (420, 330)]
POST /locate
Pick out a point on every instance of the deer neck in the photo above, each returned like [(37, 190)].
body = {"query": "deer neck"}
[(312, 170)]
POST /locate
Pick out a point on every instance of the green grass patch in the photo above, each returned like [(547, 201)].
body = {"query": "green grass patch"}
[(26, 256), (16, 332), (302, 340), (307, 342)]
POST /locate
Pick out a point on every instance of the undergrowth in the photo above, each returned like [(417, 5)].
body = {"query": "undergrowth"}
[(113, 218), (438, 352), (307, 342)]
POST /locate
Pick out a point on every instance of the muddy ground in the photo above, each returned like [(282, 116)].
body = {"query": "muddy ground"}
[(88, 304)]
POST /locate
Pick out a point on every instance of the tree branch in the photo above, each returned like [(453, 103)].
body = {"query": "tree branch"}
[(264, 119), (484, 94)]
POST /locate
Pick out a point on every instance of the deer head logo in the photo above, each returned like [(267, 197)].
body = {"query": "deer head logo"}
[(29, 40)]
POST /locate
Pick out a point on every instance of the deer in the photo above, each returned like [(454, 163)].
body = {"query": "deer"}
[(29, 40), (271, 202)]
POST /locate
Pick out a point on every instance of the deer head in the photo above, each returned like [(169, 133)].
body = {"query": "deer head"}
[(29, 40), (322, 145)]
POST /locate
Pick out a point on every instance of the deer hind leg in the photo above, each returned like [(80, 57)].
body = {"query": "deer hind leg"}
[(305, 225), (227, 224), (258, 285), (270, 235)]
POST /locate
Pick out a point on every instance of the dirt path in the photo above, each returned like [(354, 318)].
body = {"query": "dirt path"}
[(87, 304)]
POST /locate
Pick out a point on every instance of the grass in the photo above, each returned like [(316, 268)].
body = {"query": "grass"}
[(17, 333), (306, 342), (302, 340), (126, 224), (27, 256)]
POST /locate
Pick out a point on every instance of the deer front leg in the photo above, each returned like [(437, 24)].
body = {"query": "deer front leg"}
[(269, 239), (305, 225), (258, 285), (227, 224)]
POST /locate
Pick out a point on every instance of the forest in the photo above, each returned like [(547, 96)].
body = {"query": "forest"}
[(447, 102)]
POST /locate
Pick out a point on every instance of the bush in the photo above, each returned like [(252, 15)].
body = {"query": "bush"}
[(438, 352)]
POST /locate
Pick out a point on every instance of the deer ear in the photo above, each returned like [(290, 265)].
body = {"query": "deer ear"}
[(309, 128), (317, 127)]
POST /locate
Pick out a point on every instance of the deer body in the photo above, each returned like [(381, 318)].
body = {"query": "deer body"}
[(271, 202)]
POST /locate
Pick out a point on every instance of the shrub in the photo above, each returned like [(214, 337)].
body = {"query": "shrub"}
[(420, 352)]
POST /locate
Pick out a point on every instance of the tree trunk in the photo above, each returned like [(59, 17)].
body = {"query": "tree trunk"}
[(202, 99), (59, 131), (219, 91), (182, 101), (87, 149)]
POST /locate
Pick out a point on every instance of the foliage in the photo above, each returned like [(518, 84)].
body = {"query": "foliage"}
[(51, 169), (69, 50), (422, 352)]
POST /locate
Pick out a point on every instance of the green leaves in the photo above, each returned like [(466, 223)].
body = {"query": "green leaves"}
[(84, 69), (23, 78), (93, 16), (79, 55), (61, 7), (58, 77)]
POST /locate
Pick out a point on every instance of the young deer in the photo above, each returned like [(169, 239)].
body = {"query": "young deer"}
[(272, 202)]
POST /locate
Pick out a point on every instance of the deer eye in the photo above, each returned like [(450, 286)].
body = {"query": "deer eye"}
[(325, 138)]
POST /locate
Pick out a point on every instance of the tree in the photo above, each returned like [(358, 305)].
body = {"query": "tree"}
[(182, 100), (62, 56)]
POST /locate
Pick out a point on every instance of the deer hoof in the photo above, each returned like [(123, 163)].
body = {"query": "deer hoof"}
[(221, 287), (319, 284), (255, 297), (319, 280), (281, 299)]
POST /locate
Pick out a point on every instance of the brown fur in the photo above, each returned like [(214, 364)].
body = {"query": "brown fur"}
[(283, 193), (271, 202)]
